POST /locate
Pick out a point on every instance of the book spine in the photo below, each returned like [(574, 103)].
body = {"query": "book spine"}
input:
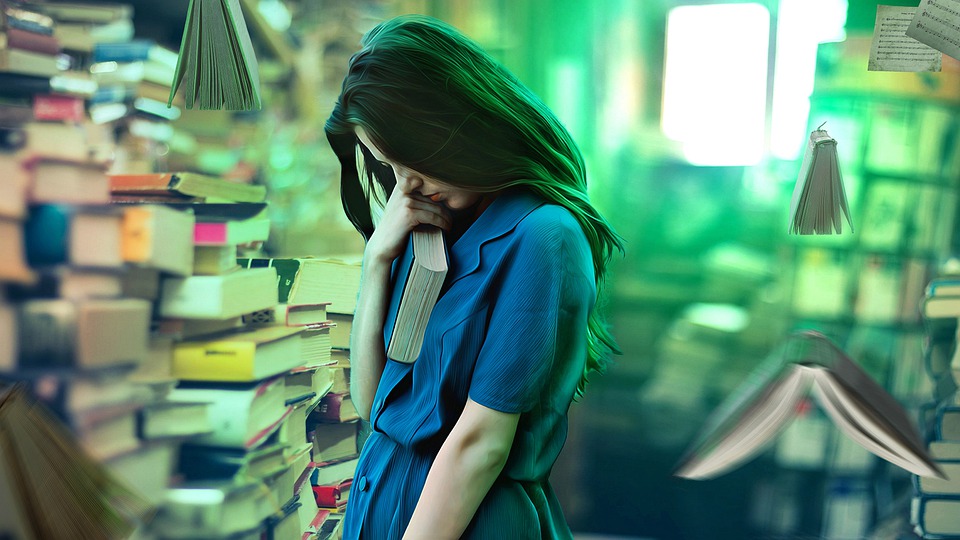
[(47, 235), (29, 26), (22, 85), (18, 38), (214, 361), (47, 334), (210, 233), (329, 409), (58, 108), (138, 235), (129, 51)]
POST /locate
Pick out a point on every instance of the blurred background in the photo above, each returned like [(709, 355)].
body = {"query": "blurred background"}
[(693, 116)]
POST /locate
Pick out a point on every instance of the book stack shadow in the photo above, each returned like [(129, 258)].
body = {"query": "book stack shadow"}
[(935, 508)]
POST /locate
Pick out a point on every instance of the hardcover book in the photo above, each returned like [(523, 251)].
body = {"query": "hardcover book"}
[(242, 415), (231, 232), (60, 181), (92, 333), (74, 235), (217, 67), (819, 199), (755, 413), (420, 273), (244, 355), (186, 184), (158, 237), (314, 281), (218, 297)]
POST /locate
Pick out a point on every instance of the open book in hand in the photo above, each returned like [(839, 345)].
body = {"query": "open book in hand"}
[(217, 67), (818, 196), (420, 272), (755, 413)]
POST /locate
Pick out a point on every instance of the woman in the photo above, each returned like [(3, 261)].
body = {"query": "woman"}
[(464, 438)]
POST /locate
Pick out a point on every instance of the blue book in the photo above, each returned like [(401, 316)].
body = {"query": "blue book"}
[(936, 517), (947, 423), (125, 51), (82, 236)]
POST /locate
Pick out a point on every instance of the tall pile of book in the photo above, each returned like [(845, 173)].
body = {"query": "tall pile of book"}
[(935, 510), (332, 425), (72, 336)]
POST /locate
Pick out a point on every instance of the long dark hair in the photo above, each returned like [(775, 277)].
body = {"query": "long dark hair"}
[(432, 100)]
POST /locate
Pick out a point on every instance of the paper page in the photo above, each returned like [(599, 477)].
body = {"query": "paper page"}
[(937, 24), (893, 50)]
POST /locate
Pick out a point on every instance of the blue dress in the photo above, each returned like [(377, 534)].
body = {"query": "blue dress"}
[(509, 332)]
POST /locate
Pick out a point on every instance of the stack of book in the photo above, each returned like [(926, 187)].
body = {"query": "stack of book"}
[(132, 77), (183, 262), (332, 424), (74, 335), (935, 510)]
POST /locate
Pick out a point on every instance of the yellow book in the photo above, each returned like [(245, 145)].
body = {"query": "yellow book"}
[(243, 356), (158, 237)]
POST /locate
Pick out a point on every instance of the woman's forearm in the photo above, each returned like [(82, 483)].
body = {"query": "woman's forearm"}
[(468, 463), (367, 356)]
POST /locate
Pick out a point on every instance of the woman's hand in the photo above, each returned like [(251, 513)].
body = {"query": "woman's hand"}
[(404, 212)]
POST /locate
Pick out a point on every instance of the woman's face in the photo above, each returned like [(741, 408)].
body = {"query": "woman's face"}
[(410, 181)]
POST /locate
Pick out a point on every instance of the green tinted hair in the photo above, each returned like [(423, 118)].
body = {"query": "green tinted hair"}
[(432, 100)]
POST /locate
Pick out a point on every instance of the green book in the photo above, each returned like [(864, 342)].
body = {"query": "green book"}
[(217, 67)]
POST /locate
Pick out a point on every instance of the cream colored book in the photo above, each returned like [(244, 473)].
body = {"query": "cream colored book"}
[(421, 274), (218, 297), (757, 412)]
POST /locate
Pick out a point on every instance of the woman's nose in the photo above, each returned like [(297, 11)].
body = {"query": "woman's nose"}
[(408, 181)]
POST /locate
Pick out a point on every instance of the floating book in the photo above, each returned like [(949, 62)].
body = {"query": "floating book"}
[(421, 274), (217, 67), (819, 198), (767, 401)]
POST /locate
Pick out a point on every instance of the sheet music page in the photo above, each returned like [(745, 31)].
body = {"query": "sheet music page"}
[(893, 50), (937, 24)]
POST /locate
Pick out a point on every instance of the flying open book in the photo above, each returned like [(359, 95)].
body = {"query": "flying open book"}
[(217, 67), (766, 402), (818, 196)]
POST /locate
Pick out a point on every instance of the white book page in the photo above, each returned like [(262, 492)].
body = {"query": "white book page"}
[(760, 424), (858, 424), (893, 50), (937, 23)]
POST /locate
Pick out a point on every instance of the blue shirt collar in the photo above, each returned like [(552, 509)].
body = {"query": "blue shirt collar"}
[(499, 219)]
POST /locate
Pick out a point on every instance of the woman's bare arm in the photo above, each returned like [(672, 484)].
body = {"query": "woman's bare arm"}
[(471, 458)]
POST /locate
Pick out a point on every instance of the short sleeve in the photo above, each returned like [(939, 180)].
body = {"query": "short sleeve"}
[(519, 350)]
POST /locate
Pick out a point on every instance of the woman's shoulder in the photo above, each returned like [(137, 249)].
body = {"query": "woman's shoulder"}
[(550, 221)]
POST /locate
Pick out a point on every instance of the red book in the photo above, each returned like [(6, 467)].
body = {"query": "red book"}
[(333, 496), (16, 38), (335, 408), (231, 232), (58, 108)]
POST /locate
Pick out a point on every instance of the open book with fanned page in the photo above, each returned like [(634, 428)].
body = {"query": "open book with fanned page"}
[(754, 414)]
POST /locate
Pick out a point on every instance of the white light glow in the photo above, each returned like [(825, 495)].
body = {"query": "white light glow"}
[(715, 82), (801, 26)]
